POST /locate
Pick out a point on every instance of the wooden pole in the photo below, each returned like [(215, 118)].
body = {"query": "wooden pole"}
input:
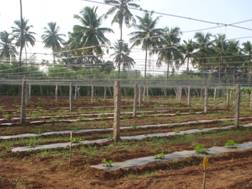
[(227, 98), (140, 95), (250, 104), (56, 93), (105, 93), (92, 93), (189, 96), (135, 100), (70, 97), (205, 99), (23, 104), (75, 92), (237, 105), (215, 93), (117, 103)]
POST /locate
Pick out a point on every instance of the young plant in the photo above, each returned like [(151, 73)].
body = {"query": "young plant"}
[(107, 163), (32, 142), (134, 126), (160, 156), (200, 149), (230, 144), (75, 139)]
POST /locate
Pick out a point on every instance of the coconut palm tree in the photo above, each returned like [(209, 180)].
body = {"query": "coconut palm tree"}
[(121, 11), (187, 48), (247, 50), (147, 35), (7, 49), (24, 37), (168, 50), (203, 45), (121, 56), (89, 32), (52, 38)]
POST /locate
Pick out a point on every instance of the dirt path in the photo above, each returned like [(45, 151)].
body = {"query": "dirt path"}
[(231, 173)]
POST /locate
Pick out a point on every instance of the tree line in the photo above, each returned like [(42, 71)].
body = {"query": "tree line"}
[(87, 43)]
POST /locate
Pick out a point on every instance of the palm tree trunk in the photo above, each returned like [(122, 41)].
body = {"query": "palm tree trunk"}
[(188, 59), (168, 70), (121, 36), (25, 55), (53, 57), (21, 34), (145, 63)]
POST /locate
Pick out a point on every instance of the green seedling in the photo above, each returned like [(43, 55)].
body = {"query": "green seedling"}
[(160, 156), (107, 163), (200, 149), (134, 126), (75, 140), (230, 144), (32, 142)]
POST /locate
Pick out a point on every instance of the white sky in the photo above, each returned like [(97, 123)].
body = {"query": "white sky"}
[(40, 12)]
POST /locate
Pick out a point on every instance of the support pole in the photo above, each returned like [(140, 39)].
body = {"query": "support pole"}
[(140, 95), (70, 97), (29, 92), (105, 93), (23, 104), (117, 103), (205, 99), (92, 93), (189, 96), (215, 92), (180, 95), (56, 93), (237, 105), (135, 100), (75, 92), (227, 98), (250, 104)]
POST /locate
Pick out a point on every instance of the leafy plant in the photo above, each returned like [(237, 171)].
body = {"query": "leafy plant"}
[(75, 140), (230, 144), (134, 126), (32, 142), (160, 156), (107, 163), (200, 149)]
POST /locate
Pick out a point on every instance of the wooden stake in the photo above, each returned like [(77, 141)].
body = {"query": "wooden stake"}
[(189, 96), (215, 93), (70, 97), (135, 100), (237, 105), (70, 147), (117, 103), (92, 93), (205, 99), (56, 93), (23, 104)]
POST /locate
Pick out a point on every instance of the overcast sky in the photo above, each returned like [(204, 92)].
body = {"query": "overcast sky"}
[(40, 12)]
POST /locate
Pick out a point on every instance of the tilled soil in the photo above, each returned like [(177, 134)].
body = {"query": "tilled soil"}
[(229, 172)]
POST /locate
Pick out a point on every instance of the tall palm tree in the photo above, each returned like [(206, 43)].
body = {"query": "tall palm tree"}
[(168, 50), (122, 14), (247, 50), (204, 49), (52, 38), (89, 32), (121, 56), (219, 47), (187, 49), (147, 35), (24, 37), (7, 49)]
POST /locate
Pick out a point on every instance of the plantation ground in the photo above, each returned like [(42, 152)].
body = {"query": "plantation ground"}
[(51, 168)]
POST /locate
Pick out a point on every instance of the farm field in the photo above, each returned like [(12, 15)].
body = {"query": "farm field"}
[(71, 166)]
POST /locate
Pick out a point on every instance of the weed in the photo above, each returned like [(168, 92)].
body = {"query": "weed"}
[(75, 140), (32, 142), (160, 156), (230, 144), (107, 163), (200, 149)]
